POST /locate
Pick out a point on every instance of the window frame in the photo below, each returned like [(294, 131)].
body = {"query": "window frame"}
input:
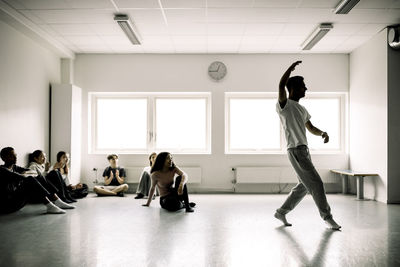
[(343, 109), (151, 120)]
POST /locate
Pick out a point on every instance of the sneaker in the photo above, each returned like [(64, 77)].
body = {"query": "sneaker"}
[(139, 196), (189, 209), (120, 194)]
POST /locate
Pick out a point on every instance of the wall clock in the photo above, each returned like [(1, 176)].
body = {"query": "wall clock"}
[(217, 71)]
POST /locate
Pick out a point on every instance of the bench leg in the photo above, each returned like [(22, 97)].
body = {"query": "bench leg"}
[(360, 187), (344, 184)]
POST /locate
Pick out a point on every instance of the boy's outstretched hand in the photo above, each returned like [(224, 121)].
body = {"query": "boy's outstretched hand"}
[(293, 66)]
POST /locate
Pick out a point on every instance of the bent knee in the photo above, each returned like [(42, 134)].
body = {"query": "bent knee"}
[(125, 187)]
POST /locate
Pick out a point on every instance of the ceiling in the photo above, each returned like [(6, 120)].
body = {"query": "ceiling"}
[(206, 26)]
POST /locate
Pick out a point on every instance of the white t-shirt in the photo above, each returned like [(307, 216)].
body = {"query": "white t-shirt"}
[(293, 117)]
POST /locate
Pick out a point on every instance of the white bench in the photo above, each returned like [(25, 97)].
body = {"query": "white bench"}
[(360, 180)]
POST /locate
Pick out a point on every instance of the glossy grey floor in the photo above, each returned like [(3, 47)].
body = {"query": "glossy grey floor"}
[(225, 230)]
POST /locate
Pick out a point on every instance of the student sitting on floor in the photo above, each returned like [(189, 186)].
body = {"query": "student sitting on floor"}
[(16, 187), (59, 174), (145, 179), (79, 190), (38, 163), (114, 178), (171, 194)]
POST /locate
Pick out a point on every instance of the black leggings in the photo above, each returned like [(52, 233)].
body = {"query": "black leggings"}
[(173, 201), (55, 179)]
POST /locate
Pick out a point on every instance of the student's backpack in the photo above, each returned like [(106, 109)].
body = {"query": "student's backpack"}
[(80, 192)]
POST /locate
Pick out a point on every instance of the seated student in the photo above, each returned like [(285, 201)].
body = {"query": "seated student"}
[(171, 194), (79, 190), (114, 177), (59, 174), (145, 180), (16, 186), (38, 163)]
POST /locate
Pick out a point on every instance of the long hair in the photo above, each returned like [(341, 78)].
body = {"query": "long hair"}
[(60, 154), (34, 154), (154, 153), (160, 161)]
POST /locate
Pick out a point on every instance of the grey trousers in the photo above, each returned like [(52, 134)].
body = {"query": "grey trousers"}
[(145, 184), (309, 180)]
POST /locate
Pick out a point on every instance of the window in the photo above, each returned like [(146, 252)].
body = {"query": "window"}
[(146, 122), (252, 125), (326, 114)]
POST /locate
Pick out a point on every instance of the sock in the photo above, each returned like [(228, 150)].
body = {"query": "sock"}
[(61, 204), (282, 218), (332, 224), (53, 209)]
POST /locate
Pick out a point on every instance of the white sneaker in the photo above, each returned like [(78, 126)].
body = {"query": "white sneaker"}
[(53, 209), (332, 224)]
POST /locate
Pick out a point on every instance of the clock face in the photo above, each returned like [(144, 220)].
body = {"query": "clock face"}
[(217, 70)]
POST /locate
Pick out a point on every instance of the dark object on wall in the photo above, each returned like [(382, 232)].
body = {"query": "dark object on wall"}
[(393, 37)]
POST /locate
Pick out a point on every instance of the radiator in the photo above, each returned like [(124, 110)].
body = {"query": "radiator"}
[(133, 174), (261, 175)]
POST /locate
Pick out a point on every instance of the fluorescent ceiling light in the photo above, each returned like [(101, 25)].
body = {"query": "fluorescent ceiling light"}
[(345, 6), (317, 35), (128, 28)]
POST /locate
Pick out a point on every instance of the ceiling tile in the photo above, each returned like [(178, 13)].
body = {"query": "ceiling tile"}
[(311, 15), (60, 4), (375, 4), (188, 40), (258, 40), (86, 40), (228, 15), (106, 28), (186, 15), (72, 16), (331, 4), (264, 28), (277, 3), (230, 3), (152, 29), (222, 40), (274, 15), (115, 40), (73, 29), (187, 29), (298, 29), (184, 3), (127, 4), (225, 28), (146, 16), (345, 28)]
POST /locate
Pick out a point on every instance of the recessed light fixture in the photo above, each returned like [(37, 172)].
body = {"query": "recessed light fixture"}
[(128, 28), (316, 35), (345, 6)]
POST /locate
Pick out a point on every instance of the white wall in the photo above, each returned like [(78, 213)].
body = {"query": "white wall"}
[(26, 71), (368, 114), (123, 73)]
